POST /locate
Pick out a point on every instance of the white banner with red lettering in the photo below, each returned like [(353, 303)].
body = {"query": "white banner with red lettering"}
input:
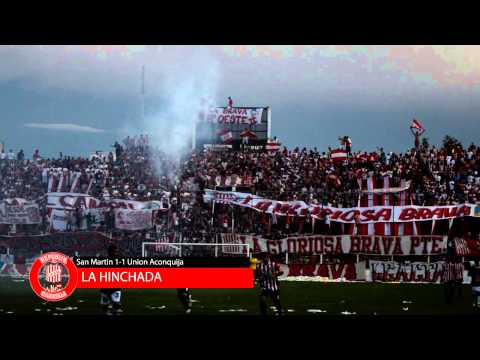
[(62, 207), (405, 213), (324, 272), (358, 215), (133, 219), (389, 271), (343, 244), (219, 115), (70, 201)]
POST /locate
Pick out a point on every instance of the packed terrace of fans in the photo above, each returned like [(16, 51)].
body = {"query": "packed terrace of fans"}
[(134, 170)]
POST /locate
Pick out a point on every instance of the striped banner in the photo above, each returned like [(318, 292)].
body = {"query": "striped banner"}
[(61, 183), (90, 184), (76, 180), (382, 192), (51, 183)]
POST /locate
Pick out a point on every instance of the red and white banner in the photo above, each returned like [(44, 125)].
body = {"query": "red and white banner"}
[(272, 146), (325, 272), (383, 192), (338, 155), (388, 271), (298, 208), (235, 115), (362, 215), (52, 180), (387, 189), (75, 182), (70, 201), (358, 215), (61, 184), (343, 244), (379, 214), (133, 219), (62, 208)]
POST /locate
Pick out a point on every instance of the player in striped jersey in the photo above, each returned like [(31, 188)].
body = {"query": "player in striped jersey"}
[(452, 278), (267, 272)]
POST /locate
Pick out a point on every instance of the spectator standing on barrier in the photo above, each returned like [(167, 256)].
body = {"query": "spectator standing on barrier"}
[(348, 145)]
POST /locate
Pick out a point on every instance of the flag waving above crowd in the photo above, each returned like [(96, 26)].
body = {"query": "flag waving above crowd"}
[(417, 125)]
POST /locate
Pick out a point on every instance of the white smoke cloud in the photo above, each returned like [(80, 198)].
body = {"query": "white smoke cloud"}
[(177, 78), (184, 92), (65, 127)]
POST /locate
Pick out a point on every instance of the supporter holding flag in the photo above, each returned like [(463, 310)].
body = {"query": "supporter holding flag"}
[(348, 145), (417, 130)]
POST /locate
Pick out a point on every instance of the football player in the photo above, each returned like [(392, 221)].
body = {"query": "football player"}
[(185, 298), (110, 298), (267, 273)]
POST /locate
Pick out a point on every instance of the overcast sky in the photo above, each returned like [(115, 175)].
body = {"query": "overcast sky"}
[(77, 99)]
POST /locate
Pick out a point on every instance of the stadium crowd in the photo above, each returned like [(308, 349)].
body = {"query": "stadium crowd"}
[(135, 170)]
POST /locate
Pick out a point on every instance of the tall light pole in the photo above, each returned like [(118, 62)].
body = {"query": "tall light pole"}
[(143, 94)]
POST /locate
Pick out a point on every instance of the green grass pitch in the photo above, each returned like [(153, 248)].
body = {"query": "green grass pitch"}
[(298, 298)]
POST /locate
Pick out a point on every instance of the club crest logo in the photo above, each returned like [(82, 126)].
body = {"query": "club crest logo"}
[(53, 276)]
